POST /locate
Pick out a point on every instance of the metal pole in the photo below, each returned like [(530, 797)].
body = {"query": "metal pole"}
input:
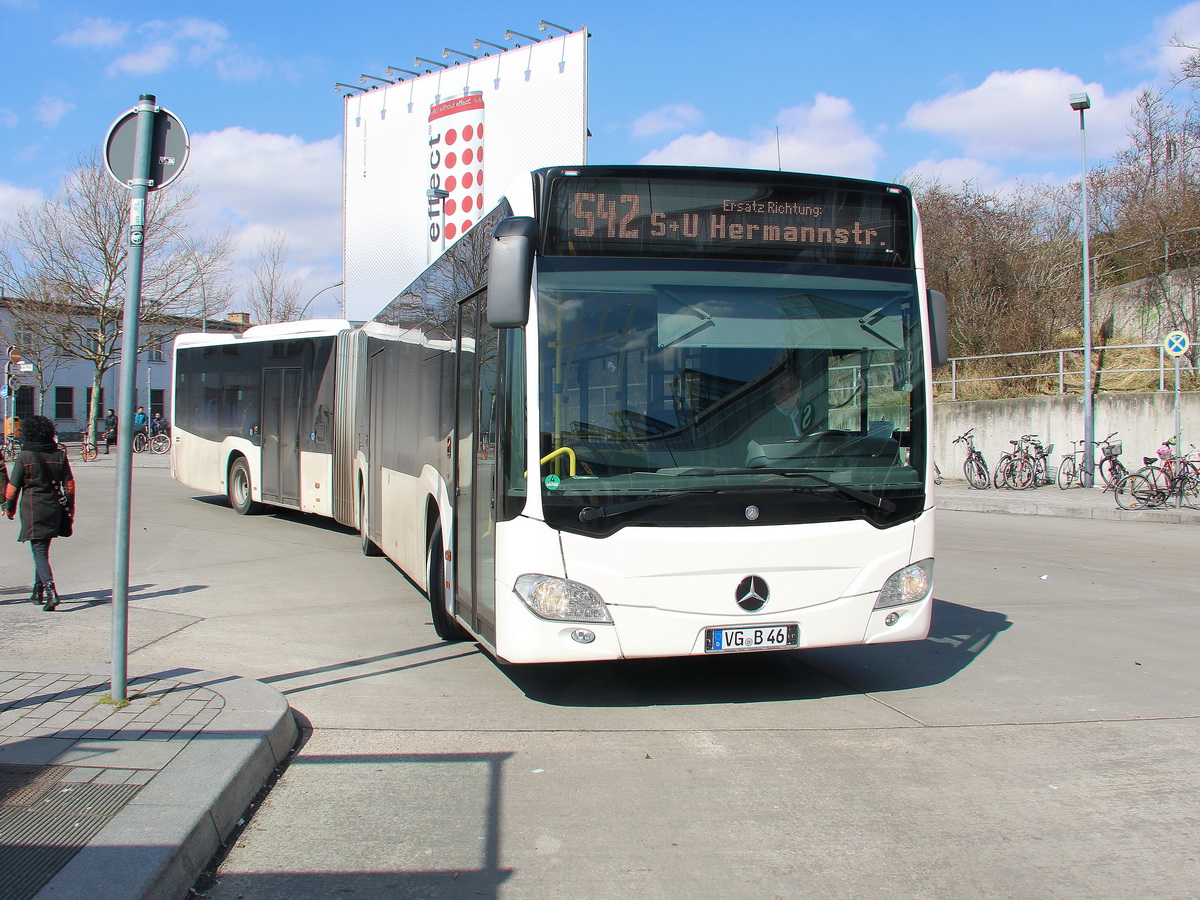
[(1089, 424), (139, 188), (1178, 417)]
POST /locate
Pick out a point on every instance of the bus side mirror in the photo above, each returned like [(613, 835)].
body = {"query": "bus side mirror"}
[(939, 329), (510, 272)]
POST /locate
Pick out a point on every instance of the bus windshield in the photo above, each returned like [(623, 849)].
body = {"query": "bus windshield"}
[(691, 392)]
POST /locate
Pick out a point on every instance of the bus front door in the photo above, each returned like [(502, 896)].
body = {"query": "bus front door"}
[(281, 436), (475, 466)]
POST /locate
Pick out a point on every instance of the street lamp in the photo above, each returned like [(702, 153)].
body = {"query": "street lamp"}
[(1080, 102), (330, 287)]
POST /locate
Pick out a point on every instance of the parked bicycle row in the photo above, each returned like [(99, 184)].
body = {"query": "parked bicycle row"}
[(158, 442), (1166, 476)]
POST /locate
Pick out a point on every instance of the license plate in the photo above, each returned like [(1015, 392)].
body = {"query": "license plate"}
[(751, 637)]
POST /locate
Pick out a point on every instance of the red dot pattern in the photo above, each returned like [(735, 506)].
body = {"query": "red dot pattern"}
[(462, 176)]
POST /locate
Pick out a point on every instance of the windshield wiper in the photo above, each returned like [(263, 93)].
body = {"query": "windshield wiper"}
[(591, 513), (853, 493)]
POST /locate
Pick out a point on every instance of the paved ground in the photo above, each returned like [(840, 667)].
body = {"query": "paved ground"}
[(149, 790)]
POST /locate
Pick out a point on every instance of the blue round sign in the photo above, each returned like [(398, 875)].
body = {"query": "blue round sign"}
[(1176, 343)]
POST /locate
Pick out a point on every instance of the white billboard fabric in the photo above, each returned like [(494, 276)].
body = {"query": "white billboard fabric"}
[(425, 158)]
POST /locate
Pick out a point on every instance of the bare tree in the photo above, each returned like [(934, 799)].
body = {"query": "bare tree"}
[(66, 260), (38, 348), (272, 296), (999, 259), (1149, 212)]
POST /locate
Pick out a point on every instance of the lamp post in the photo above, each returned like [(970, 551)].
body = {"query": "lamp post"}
[(329, 287), (1080, 102)]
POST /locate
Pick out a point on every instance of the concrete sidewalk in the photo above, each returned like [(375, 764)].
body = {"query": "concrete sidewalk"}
[(1075, 503), (98, 800)]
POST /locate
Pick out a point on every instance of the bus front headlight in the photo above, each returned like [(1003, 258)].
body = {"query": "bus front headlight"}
[(910, 584), (559, 599)]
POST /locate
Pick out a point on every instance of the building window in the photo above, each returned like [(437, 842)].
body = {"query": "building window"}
[(24, 402), (154, 351), (156, 401), (64, 403)]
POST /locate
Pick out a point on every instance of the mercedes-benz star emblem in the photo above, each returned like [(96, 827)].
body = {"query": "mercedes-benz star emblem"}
[(752, 593)]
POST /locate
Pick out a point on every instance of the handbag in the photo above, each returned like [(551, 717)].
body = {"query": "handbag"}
[(65, 523)]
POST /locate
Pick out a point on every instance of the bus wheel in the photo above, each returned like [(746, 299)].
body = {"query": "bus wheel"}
[(443, 623), (369, 547), (239, 488)]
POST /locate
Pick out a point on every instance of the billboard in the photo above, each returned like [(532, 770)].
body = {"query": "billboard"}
[(425, 158)]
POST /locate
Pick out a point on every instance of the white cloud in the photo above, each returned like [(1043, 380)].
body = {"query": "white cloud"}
[(256, 183), (8, 118), (666, 119), (12, 198), (1156, 53), (147, 61), (823, 137), (1025, 114), (955, 172), (163, 44), (95, 33), (50, 110)]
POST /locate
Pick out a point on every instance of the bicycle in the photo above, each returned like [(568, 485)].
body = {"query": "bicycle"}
[(937, 474), (87, 449), (975, 466), (1002, 475), (1112, 470), (1034, 470), (11, 447), (1163, 476)]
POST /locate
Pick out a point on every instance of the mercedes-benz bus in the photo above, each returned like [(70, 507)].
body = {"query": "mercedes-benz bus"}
[(636, 411)]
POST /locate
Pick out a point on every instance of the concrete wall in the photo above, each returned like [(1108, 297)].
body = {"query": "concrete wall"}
[(1143, 421)]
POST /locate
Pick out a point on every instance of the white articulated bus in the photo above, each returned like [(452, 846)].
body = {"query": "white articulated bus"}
[(635, 412)]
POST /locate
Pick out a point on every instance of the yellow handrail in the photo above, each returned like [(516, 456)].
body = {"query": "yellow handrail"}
[(570, 454)]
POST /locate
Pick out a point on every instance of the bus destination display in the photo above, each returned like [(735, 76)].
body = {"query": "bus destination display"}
[(643, 217)]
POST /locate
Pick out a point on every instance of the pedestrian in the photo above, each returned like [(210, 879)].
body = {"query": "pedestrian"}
[(140, 421), (110, 431), (42, 486)]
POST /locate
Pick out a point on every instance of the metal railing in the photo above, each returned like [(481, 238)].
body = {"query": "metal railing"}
[(1064, 373)]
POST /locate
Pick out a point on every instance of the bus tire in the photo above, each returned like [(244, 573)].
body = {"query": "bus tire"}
[(239, 488), (369, 547), (443, 623)]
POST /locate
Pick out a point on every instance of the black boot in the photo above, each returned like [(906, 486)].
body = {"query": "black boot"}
[(36, 596), (52, 599)]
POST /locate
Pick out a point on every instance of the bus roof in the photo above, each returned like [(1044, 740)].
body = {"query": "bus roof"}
[(274, 332)]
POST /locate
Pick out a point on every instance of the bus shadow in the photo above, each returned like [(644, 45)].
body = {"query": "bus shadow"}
[(958, 634), (313, 520)]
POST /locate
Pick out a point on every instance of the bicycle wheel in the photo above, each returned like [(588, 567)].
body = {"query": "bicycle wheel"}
[(139, 442), (88, 451), (160, 443), (1020, 475), (1138, 491), (1042, 472), (1000, 474), (1066, 472), (1188, 485), (1112, 471), (976, 471)]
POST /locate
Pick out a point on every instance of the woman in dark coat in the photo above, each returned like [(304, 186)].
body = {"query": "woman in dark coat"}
[(39, 467)]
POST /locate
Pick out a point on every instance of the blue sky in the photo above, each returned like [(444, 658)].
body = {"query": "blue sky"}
[(961, 91)]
